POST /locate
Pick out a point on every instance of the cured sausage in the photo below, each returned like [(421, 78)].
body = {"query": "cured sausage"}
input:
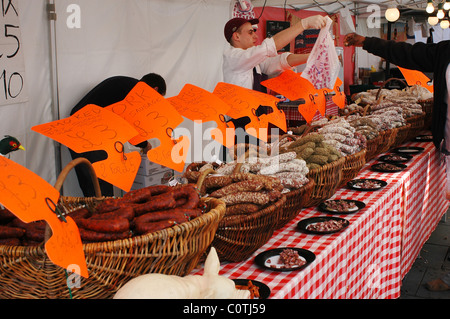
[(116, 225), (190, 194), (93, 236), (124, 212), (6, 216), (10, 241), (144, 228), (80, 213), (243, 186), (177, 213), (158, 202), (144, 194), (11, 232)]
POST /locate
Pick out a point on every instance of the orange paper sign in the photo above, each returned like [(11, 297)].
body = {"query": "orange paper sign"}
[(414, 77), (31, 198), (242, 103), (152, 116), (277, 117), (94, 128), (200, 105)]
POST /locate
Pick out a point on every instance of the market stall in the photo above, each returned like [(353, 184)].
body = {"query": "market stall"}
[(256, 206)]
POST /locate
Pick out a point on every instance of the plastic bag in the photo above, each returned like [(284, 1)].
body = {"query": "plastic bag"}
[(322, 67)]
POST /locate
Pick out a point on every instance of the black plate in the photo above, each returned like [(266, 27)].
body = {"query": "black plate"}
[(261, 259), (323, 207), (424, 138), (386, 158), (303, 224), (351, 184), (408, 150), (377, 167), (264, 290)]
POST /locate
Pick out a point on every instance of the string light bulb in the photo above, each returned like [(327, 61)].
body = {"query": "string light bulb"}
[(433, 20), (430, 6), (440, 13), (392, 14), (446, 5), (444, 24)]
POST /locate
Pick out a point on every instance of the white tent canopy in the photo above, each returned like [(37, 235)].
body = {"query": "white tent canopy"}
[(91, 40)]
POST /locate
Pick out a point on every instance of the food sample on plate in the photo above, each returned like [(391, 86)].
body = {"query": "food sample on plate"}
[(340, 205), (367, 184), (288, 258), (326, 226), (395, 158), (388, 167), (253, 289)]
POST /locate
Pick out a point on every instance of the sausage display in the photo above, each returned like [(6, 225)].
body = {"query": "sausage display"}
[(138, 212)]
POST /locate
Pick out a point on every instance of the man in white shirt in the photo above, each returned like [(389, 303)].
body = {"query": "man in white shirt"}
[(245, 62)]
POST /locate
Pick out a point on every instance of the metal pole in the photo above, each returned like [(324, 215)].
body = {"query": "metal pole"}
[(51, 12)]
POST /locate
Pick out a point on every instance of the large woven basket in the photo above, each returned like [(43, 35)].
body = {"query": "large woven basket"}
[(239, 236), (373, 145), (27, 272), (295, 201), (387, 140), (352, 165), (427, 108), (326, 180), (402, 135), (417, 123)]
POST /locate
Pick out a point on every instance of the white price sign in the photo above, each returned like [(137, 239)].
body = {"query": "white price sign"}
[(12, 66)]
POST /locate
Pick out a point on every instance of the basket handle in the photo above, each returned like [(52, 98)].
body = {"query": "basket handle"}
[(81, 160), (201, 179), (386, 82)]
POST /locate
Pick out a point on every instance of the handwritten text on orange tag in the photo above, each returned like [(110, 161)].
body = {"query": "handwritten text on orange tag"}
[(95, 128), (198, 104), (27, 196)]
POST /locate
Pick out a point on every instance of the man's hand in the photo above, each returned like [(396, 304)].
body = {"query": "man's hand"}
[(314, 22), (353, 39)]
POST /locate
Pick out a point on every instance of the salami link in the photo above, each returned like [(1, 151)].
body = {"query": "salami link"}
[(145, 228), (11, 232), (246, 197), (10, 241), (190, 194), (239, 209), (117, 225), (145, 194), (177, 214), (244, 186), (80, 213), (158, 202), (93, 236), (6, 216), (124, 212)]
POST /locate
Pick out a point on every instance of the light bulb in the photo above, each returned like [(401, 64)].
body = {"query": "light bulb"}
[(447, 5), (392, 14), (440, 14), (433, 20), (430, 7), (445, 24)]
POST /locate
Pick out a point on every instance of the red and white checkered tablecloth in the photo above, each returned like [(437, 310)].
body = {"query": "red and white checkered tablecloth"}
[(370, 257)]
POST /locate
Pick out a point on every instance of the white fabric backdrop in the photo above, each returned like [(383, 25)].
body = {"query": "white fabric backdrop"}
[(182, 40), (17, 119)]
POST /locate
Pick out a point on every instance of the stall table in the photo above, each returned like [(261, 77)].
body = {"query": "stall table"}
[(370, 257)]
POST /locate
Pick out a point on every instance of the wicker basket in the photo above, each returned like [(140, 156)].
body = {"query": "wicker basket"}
[(326, 180), (352, 165), (239, 236), (387, 140), (402, 135), (373, 145), (417, 123), (27, 272), (295, 201), (427, 108)]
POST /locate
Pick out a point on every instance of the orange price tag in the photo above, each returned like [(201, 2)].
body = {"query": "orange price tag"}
[(31, 198), (95, 128), (276, 117), (414, 77), (152, 116), (339, 97), (200, 105), (243, 103), (309, 109)]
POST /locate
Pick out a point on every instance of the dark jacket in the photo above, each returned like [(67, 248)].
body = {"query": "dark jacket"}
[(432, 57)]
